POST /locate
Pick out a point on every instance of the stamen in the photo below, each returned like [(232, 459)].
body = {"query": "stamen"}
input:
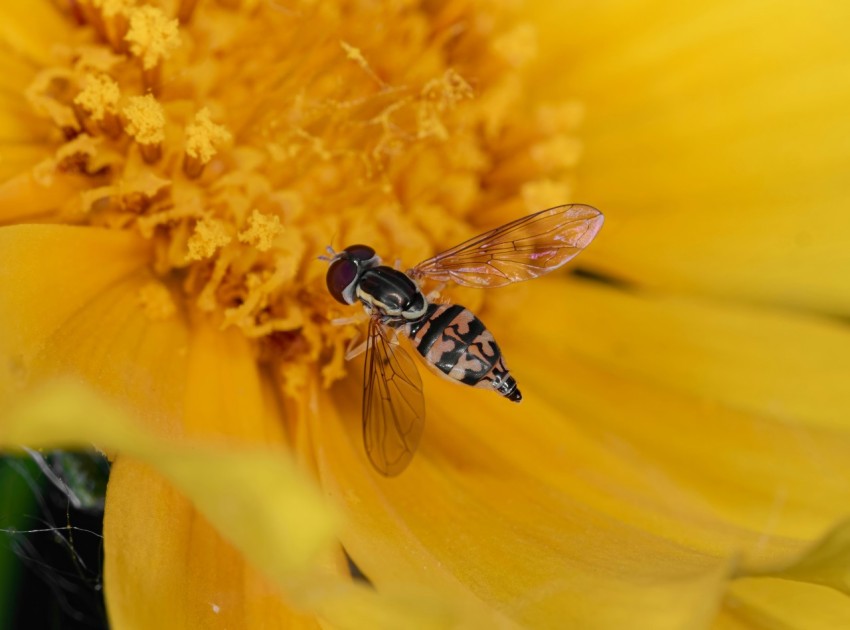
[(203, 138), (98, 100), (210, 234), (145, 122), (113, 20), (90, 11), (152, 38), (262, 230)]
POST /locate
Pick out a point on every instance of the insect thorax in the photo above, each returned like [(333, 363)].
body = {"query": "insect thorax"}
[(392, 294)]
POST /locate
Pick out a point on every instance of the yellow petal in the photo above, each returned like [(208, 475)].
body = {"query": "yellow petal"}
[(24, 198), (165, 566), (773, 603), (826, 563), (715, 146), (16, 158), (782, 364), (472, 525), (28, 28), (48, 273), (811, 593), (226, 395), (739, 408)]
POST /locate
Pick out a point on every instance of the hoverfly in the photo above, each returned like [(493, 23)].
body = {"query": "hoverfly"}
[(451, 340)]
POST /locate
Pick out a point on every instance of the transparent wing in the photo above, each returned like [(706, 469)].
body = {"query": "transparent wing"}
[(393, 404), (520, 250)]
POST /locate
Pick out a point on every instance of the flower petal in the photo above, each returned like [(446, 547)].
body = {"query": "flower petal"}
[(166, 566), (775, 603), (740, 408), (17, 158), (782, 364), (24, 198), (29, 27), (48, 273), (826, 563), (715, 142), (465, 521)]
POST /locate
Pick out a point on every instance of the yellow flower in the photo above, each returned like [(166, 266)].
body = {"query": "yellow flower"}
[(171, 172)]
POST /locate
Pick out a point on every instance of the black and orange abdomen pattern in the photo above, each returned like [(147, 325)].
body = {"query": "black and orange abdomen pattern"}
[(455, 342)]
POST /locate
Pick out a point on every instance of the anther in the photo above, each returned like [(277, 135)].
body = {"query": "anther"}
[(203, 139), (151, 37), (145, 122)]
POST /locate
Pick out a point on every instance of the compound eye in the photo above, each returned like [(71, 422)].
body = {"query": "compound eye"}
[(341, 277), (362, 253)]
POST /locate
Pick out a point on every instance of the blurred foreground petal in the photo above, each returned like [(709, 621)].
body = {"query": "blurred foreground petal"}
[(262, 509), (254, 496)]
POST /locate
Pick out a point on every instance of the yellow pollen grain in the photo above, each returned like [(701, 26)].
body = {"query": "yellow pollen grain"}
[(203, 136), (99, 96), (262, 230), (145, 119), (209, 235), (152, 36), (156, 301)]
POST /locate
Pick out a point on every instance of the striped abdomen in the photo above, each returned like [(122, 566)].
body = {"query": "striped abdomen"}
[(455, 343)]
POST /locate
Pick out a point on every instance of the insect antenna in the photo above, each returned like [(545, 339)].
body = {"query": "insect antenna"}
[(330, 258)]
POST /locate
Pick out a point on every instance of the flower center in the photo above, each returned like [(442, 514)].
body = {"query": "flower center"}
[(241, 140)]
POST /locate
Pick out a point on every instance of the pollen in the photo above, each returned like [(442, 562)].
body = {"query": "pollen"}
[(209, 235), (152, 35), (203, 136), (145, 119), (99, 97), (262, 230)]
